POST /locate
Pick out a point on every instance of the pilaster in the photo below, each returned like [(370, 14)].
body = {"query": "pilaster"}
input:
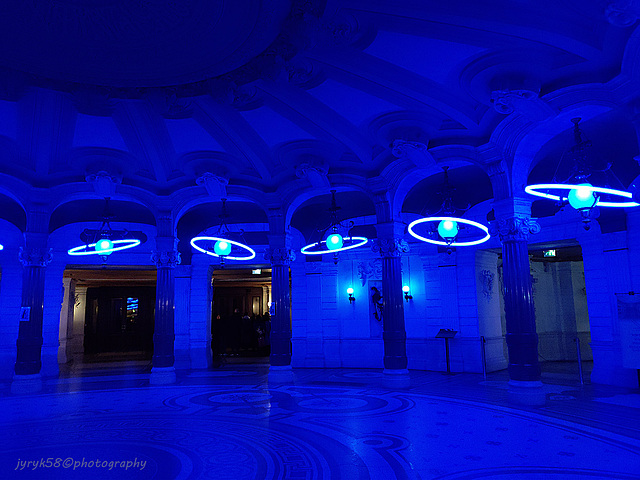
[(166, 258), (34, 256)]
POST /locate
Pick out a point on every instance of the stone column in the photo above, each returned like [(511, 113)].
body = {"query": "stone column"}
[(265, 299), (35, 256), (77, 341), (280, 259), (522, 339), (394, 334), (65, 334), (166, 257)]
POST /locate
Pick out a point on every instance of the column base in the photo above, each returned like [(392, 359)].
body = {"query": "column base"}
[(280, 374), (162, 375), (392, 378), (526, 393), (26, 384)]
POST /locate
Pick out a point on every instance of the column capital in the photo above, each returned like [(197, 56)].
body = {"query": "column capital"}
[(279, 255), (165, 259), (514, 228), (390, 247), (35, 256)]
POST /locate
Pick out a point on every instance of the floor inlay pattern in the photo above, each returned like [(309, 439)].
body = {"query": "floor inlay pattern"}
[(237, 425)]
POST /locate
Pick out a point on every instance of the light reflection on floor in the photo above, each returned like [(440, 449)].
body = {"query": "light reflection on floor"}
[(232, 423)]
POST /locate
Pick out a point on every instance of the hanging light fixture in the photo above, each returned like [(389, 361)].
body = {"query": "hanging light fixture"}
[(105, 240), (220, 245), (334, 241), (578, 189), (448, 226)]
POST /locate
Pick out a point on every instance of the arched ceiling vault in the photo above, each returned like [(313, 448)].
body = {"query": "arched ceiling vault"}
[(283, 100)]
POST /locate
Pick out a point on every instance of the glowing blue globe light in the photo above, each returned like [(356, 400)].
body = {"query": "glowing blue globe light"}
[(582, 197), (350, 291), (405, 289), (1, 247), (222, 248), (334, 241), (104, 246), (448, 229)]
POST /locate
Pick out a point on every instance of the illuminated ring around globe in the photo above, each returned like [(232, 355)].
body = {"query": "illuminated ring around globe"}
[(251, 251), (361, 240), (454, 219), (534, 190), (124, 245)]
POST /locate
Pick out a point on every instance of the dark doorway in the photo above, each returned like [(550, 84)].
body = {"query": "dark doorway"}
[(240, 326), (119, 321)]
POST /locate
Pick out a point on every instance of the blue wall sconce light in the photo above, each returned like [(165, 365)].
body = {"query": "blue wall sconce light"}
[(1, 247), (407, 295), (351, 297)]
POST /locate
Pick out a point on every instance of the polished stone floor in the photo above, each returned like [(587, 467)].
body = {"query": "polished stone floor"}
[(234, 423)]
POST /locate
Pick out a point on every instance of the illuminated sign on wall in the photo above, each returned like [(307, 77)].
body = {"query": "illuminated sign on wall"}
[(549, 253), (256, 271)]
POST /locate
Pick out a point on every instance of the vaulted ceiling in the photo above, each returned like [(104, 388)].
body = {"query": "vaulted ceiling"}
[(267, 101)]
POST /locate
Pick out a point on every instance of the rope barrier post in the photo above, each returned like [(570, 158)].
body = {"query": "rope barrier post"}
[(577, 340), (483, 341)]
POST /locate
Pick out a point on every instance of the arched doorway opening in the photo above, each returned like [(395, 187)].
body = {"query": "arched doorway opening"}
[(240, 324), (110, 317)]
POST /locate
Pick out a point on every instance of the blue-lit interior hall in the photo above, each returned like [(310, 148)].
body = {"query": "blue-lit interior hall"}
[(320, 239)]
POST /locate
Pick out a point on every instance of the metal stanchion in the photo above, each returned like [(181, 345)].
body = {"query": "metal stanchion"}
[(484, 357), (577, 340)]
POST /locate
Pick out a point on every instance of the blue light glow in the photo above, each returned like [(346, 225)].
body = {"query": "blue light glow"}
[(353, 242), (1, 247), (334, 241), (484, 229), (582, 197), (222, 248), (405, 289), (350, 291), (251, 252), (91, 248), (448, 229), (537, 191), (104, 246)]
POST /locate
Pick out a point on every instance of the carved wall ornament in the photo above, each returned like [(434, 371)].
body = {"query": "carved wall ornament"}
[(315, 172), (402, 148), (390, 247), (104, 183), (370, 270), (35, 256), (514, 228), (486, 281), (279, 256), (506, 101), (215, 185), (166, 259), (623, 13)]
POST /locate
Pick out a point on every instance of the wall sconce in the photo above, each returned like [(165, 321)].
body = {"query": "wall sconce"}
[(351, 297), (407, 297)]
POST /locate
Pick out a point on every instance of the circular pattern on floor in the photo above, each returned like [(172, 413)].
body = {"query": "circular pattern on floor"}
[(301, 431)]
